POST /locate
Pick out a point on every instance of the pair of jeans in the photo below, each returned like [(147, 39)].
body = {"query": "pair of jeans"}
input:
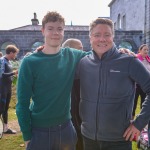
[(106, 145), (60, 137)]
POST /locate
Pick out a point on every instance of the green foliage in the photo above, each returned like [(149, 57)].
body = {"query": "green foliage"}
[(15, 64)]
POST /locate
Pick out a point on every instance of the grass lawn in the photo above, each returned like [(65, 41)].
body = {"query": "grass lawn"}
[(15, 142)]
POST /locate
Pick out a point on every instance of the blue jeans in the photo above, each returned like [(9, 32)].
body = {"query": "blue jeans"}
[(61, 137), (106, 145)]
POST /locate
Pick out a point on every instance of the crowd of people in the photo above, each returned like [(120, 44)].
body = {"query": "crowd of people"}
[(70, 99)]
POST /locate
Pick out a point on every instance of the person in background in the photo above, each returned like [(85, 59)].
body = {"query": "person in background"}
[(107, 83), (1, 54), (7, 74), (75, 95), (145, 59)]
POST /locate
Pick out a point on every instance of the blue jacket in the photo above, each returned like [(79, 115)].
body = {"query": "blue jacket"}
[(107, 94)]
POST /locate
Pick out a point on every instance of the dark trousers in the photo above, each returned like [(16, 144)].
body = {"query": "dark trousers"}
[(5, 98), (139, 92), (75, 100), (60, 137), (106, 145)]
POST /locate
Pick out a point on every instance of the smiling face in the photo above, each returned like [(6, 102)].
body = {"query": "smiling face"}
[(53, 33), (53, 29), (144, 51), (101, 36)]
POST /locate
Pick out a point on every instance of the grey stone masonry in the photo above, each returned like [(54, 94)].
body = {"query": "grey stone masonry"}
[(147, 22), (24, 39)]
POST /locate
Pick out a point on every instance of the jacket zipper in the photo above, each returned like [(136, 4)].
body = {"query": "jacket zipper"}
[(98, 99)]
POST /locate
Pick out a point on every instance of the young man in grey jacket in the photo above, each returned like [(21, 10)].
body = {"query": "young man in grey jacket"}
[(107, 80)]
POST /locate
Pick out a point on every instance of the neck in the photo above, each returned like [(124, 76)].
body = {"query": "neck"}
[(50, 50), (8, 57)]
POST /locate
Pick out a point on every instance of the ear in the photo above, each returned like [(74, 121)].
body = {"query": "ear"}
[(42, 29)]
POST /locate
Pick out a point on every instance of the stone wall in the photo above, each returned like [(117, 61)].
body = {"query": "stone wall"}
[(147, 22), (25, 39), (133, 10)]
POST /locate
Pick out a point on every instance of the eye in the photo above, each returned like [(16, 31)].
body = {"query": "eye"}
[(60, 29), (107, 35), (96, 35)]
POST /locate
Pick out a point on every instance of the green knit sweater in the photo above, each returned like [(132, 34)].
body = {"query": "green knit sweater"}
[(44, 84)]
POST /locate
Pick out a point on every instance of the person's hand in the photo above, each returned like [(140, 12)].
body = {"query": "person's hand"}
[(26, 143), (39, 48), (127, 51), (15, 72), (131, 132)]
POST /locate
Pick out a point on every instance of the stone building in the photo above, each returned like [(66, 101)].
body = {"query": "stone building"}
[(129, 15), (28, 38)]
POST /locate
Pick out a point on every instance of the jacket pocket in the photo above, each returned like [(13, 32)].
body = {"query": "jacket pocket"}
[(112, 120)]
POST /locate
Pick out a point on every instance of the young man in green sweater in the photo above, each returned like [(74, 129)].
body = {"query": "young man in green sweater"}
[(44, 84)]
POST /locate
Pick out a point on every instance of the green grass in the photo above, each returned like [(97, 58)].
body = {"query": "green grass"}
[(12, 142), (134, 144), (15, 142)]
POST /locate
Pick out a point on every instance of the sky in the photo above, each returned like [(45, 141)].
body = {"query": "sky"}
[(18, 13)]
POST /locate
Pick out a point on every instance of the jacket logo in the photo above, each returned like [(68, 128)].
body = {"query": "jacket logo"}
[(111, 70)]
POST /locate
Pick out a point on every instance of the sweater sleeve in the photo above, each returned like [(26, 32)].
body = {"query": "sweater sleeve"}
[(24, 93), (141, 76), (4, 74)]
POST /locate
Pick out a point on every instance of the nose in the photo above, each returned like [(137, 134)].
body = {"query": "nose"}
[(55, 31), (102, 38)]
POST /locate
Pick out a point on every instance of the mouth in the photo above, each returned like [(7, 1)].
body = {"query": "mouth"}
[(102, 45)]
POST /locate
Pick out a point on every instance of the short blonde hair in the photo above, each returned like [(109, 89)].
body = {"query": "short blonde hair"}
[(105, 21), (70, 42)]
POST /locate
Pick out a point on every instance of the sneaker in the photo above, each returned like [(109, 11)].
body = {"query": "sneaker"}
[(10, 131)]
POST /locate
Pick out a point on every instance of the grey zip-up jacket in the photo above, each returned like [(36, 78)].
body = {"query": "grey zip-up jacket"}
[(107, 94)]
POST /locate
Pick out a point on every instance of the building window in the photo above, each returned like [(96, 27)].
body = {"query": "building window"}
[(115, 25), (119, 21), (125, 44), (35, 45), (124, 22), (4, 45)]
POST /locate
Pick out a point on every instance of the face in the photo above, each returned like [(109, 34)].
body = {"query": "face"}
[(144, 51), (53, 33), (101, 39), (13, 55)]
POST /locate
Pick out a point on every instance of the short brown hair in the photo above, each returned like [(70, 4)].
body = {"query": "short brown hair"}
[(101, 21), (1, 54), (11, 48), (52, 17)]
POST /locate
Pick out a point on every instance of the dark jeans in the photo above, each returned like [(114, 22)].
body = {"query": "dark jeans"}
[(5, 97), (106, 145), (61, 137)]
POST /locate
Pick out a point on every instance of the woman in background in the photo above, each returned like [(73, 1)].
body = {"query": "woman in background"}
[(145, 59)]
